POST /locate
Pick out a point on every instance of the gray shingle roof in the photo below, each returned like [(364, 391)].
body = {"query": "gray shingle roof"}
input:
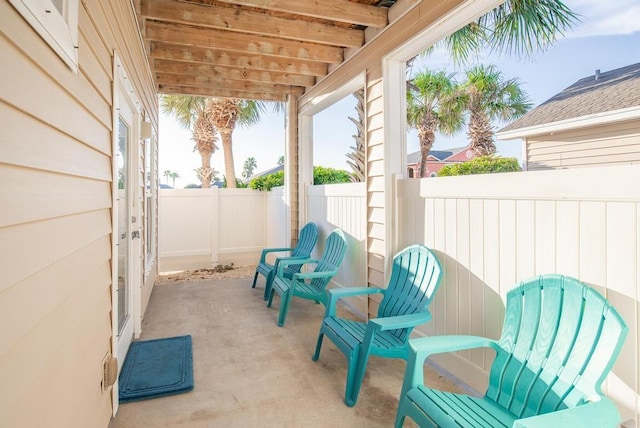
[(612, 90), (438, 154)]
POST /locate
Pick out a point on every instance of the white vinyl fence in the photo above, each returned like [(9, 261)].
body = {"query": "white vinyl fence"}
[(202, 228), (491, 231), (343, 206), (206, 227)]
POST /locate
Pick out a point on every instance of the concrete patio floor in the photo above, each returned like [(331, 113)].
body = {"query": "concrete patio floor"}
[(248, 372)]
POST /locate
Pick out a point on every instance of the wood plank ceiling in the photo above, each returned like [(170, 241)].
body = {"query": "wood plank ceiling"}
[(251, 49)]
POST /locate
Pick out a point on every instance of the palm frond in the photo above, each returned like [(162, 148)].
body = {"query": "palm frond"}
[(523, 27)]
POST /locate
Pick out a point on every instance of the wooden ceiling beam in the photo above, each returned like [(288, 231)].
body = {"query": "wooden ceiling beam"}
[(177, 67), (231, 41), (167, 51), (335, 10), (231, 19), (239, 85), (220, 93)]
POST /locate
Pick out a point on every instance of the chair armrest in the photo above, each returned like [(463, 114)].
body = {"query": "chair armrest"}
[(400, 321), (335, 294), (293, 261), (601, 413), (312, 275), (279, 260), (422, 348), (266, 251)]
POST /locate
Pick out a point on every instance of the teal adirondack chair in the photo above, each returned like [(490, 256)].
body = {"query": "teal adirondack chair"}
[(559, 341), (309, 285), (306, 241), (415, 277)]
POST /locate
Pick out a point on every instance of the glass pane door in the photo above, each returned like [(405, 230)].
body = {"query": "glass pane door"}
[(122, 160)]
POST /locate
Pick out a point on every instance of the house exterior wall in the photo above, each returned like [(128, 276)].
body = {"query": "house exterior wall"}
[(492, 231), (613, 144), (434, 165), (55, 221)]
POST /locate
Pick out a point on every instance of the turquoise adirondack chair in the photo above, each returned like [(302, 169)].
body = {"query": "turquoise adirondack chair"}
[(309, 285), (559, 341), (306, 241), (415, 277)]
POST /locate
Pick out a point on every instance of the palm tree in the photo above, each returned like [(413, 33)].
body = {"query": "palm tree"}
[(517, 27), (173, 176), (428, 112), (192, 114), (281, 160), (249, 166), (488, 96), (225, 114), (357, 156), (167, 173)]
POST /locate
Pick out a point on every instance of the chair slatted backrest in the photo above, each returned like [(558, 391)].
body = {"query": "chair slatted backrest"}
[(306, 241), (559, 341), (334, 251), (415, 277)]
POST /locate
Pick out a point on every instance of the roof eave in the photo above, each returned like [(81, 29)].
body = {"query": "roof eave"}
[(595, 119)]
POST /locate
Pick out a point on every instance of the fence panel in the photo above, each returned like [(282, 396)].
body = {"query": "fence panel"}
[(491, 231), (343, 206), (201, 228)]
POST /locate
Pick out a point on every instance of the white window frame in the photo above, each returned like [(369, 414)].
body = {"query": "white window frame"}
[(150, 202), (59, 30)]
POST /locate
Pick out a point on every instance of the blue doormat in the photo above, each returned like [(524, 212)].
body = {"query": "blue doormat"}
[(155, 368)]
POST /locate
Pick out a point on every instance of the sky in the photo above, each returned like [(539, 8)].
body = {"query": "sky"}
[(608, 37)]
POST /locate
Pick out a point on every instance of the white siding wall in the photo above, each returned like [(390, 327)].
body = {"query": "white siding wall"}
[(55, 215), (343, 206), (491, 231), (615, 144)]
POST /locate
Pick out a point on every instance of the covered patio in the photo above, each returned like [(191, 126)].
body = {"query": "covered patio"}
[(82, 214), (250, 372)]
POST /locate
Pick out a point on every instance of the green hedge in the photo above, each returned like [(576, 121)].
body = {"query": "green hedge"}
[(481, 165), (266, 182), (321, 175)]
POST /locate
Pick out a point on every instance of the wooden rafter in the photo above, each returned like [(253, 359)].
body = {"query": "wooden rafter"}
[(177, 67), (196, 54), (254, 49), (335, 10), (210, 82), (201, 15), (224, 93), (240, 42)]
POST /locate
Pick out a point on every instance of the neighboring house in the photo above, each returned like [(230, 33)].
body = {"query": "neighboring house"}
[(595, 121), (263, 173), (437, 160)]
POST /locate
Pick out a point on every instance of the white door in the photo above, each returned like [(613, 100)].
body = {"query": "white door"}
[(126, 233)]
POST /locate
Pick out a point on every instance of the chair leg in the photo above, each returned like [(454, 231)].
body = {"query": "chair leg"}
[(284, 308), (255, 278), (360, 366), (271, 291), (399, 417), (352, 362), (316, 354), (268, 284)]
